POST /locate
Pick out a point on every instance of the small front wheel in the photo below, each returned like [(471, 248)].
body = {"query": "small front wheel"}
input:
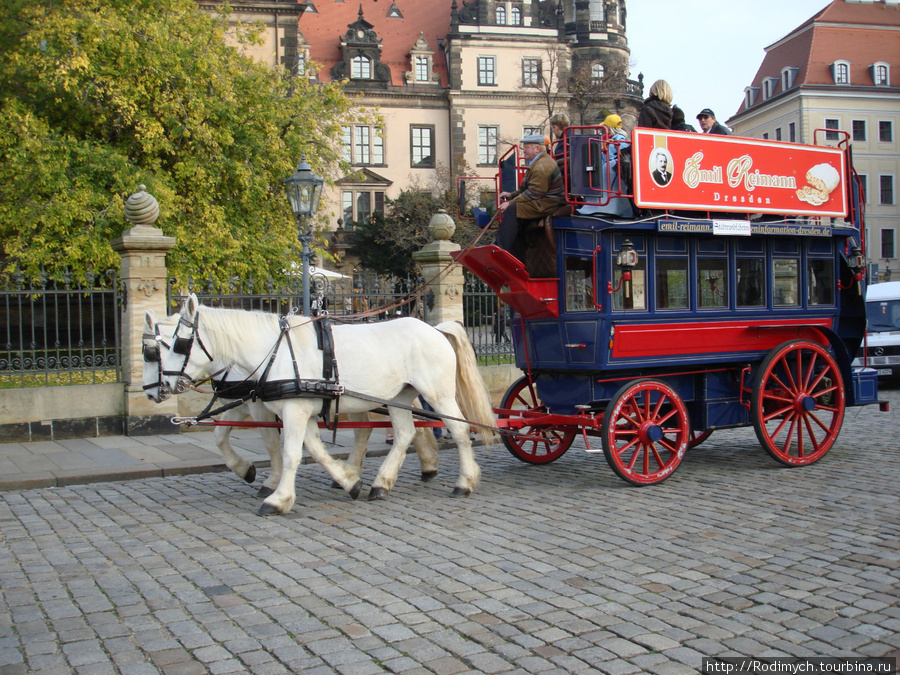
[(534, 444), (798, 403), (645, 432)]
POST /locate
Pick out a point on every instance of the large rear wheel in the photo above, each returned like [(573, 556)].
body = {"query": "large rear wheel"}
[(645, 432), (534, 444), (798, 403)]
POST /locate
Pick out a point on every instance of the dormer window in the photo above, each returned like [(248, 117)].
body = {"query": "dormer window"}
[(768, 87), (881, 74), (787, 77), (421, 58), (362, 68), (750, 94), (841, 72)]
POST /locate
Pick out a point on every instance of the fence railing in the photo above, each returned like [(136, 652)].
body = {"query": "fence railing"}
[(59, 332), (65, 332)]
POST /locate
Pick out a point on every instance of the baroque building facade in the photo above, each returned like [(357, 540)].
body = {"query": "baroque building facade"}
[(457, 82), (836, 78)]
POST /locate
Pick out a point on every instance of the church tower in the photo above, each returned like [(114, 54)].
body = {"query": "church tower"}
[(600, 74)]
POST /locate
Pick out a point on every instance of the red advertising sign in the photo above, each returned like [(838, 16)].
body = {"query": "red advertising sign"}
[(678, 170)]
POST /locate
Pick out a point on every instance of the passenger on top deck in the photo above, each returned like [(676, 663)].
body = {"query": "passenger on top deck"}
[(541, 192), (609, 175), (656, 112)]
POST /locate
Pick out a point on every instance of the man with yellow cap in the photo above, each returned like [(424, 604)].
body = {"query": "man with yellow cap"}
[(541, 192)]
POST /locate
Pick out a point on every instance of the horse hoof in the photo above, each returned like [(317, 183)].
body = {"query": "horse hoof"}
[(250, 476), (428, 475), (335, 484), (268, 510), (460, 492), (377, 493), (356, 489), (264, 492)]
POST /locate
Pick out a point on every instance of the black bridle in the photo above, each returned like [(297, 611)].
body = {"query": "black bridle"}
[(152, 353), (183, 346)]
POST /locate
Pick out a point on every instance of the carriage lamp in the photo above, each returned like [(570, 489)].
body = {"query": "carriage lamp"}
[(857, 262), (304, 190), (626, 260)]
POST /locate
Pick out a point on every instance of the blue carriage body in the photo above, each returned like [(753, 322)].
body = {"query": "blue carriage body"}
[(708, 296)]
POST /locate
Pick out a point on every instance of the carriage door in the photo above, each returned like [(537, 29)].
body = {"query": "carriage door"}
[(580, 339)]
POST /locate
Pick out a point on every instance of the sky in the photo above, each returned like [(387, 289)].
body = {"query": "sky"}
[(708, 50)]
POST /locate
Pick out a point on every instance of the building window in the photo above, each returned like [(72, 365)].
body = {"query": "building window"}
[(787, 78), (515, 16), (361, 145), (422, 68), (864, 187), (887, 243), (886, 184), (531, 72), (359, 205), (487, 144), (361, 68), (765, 135), (487, 70), (832, 124), (530, 130), (841, 70), (769, 88), (886, 131), (597, 10), (598, 71), (421, 145), (859, 130), (501, 16), (792, 132), (881, 75), (300, 66), (750, 96), (778, 134)]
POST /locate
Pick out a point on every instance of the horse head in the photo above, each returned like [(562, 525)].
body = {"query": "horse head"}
[(184, 358), (155, 334)]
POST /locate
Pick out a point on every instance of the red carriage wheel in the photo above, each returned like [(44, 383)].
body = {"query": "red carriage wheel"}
[(645, 432), (534, 444), (697, 437), (798, 403)]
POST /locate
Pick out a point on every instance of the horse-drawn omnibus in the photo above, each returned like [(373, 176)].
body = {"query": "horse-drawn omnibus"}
[(709, 282)]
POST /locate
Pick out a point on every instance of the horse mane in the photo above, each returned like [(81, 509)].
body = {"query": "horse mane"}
[(234, 332)]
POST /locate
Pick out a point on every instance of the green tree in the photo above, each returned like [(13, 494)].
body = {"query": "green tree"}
[(99, 96), (386, 242)]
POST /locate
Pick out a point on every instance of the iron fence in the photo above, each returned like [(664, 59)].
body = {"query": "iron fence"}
[(59, 332)]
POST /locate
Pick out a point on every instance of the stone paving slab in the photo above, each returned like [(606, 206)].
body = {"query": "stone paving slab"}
[(560, 568)]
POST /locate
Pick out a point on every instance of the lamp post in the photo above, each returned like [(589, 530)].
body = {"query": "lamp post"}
[(304, 190)]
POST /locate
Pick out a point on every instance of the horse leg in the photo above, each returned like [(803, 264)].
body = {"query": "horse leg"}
[(345, 477), (360, 444), (426, 447), (243, 468), (295, 413), (404, 430), (469, 471), (272, 440)]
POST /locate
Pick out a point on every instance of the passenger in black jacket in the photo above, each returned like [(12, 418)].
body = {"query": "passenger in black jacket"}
[(678, 123), (709, 124), (657, 111)]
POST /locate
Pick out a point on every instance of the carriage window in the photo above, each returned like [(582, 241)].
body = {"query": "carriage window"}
[(631, 294), (712, 282), (751, 282), (786, 280), (821, 282), (579, 284), (671, 283)]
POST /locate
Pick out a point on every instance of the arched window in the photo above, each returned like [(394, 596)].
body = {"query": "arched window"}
[(841, 71), (515, 16), (598, 71), (362, 68), (501, 16)]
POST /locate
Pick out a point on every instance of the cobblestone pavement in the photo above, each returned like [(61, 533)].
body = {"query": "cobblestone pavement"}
[(559, 568)]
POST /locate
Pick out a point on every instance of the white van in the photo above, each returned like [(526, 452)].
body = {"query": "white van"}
[(883, 332)]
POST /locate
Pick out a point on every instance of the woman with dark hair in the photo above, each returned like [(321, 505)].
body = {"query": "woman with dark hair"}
[(678, 123), (657, 110)]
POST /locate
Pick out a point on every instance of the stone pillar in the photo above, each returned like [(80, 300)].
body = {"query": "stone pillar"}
[(434, 259), (143, 273)]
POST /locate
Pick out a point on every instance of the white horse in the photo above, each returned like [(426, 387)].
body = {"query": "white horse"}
[(158, 332)]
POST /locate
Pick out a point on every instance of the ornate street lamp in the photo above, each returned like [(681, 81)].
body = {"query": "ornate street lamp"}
[(304, 190)]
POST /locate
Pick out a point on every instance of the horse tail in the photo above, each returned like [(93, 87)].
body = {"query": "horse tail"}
[(472, 394)]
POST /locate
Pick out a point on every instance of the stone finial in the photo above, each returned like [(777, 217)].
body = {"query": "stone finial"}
[(441, 226), (141, 208)]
